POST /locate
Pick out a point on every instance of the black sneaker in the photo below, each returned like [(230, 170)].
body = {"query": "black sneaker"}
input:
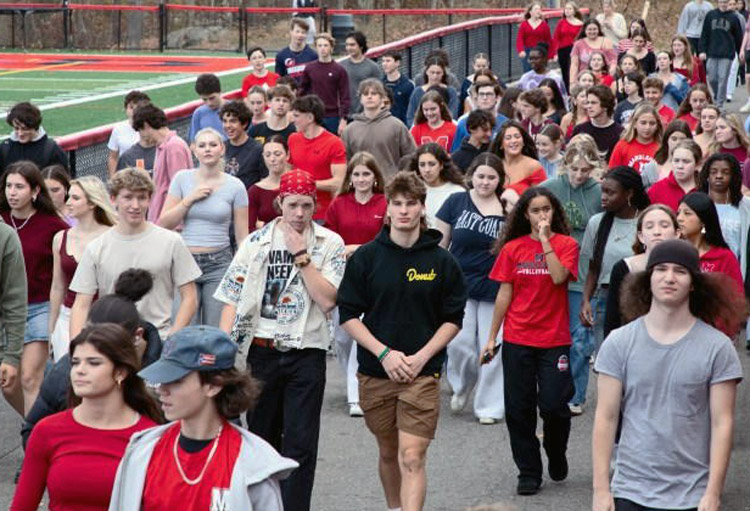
[(558, 468), (528, 486)]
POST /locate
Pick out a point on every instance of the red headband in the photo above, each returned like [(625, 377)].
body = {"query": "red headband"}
[(297, 182)]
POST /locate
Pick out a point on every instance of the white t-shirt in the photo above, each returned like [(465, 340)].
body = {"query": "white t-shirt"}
[(159, 251), (436, 196), (122, 138)]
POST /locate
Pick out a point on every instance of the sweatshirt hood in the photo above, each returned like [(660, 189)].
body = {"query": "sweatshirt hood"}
[(427, 239), (40, 134), (362, 117)]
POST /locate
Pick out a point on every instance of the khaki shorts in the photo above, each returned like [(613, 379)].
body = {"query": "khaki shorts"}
[(410, 407)]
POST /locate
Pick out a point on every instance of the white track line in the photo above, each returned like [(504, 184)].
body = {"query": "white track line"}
[(122, 91)]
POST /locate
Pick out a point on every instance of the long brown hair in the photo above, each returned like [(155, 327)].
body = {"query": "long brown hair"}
[(33, 176), (116, 344), (369, 161), (713, 299)]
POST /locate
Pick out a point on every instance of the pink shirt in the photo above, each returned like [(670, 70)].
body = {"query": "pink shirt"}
[(172, 156), (583, 51)]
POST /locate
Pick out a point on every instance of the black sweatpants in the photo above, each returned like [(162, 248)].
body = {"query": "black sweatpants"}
[(536, 377)]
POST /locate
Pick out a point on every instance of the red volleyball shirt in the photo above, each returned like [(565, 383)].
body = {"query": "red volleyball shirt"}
[(538, 314), (165, 489)]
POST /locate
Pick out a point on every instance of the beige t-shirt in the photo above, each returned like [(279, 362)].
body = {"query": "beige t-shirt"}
[(159, 251)]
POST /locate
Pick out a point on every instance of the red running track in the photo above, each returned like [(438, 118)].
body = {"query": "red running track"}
[(119, 63)]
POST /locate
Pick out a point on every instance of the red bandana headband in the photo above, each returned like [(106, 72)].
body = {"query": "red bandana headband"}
[(297, 182)]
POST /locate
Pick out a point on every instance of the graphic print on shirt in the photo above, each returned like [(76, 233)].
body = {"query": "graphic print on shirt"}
[(219, 499), (489, 226), (441, 140), (576, 218), (639, 160), (279, 268), (232, 166), (536, 267)]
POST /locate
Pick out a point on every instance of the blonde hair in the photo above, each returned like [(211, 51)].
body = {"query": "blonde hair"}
[(133, 179), (641, 110), (96, 193), (326, 36), (213, 132), (739, 132), (582, 147)]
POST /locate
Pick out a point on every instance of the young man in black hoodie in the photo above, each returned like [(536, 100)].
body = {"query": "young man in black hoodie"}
[(28, 141), (480, 125), (720, 41), (410, 296)]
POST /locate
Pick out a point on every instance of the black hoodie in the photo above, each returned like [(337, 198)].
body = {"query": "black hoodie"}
[(405, 295)]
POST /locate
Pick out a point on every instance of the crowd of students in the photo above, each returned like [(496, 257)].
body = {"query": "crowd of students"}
[(501, 234)]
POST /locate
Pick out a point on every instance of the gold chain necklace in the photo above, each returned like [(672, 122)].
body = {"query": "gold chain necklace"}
[(193, 482)]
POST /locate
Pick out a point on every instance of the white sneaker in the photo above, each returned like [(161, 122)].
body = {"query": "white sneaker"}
[(355, 410), (487, 421), (746, 107), (458, 402), (575, 410)]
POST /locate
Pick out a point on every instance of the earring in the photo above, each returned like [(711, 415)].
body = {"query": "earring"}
[(703, 230), (119, 382), (33, 198)]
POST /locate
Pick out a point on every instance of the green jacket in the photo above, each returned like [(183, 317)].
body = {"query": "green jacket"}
[(13, 295)]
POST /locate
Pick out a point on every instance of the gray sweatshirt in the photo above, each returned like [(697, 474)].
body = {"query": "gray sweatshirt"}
[(357, 74), (255, 479), (13, 299), (691, 19)]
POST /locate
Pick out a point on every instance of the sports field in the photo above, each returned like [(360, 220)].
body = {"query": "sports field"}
[(81, 91)]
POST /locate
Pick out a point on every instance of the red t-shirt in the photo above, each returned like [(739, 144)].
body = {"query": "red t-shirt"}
[(356, 223), (633, 154), (666, 114), (443, 136), (606, 80), (77, 464), (251, 81), (538, 314), (668, 192), (36, 242), (690, 120), (316, 155), (723, 260), (165, 490)]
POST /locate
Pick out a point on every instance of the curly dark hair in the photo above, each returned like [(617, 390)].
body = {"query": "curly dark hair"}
[(529, 147), (735, 181), (449, 173), (518, 225), (713, 299)]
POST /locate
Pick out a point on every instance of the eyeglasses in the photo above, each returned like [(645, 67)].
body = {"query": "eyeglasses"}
[(486, 94)]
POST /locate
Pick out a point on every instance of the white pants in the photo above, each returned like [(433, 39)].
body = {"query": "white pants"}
[(732, 83), (464, 370), (346, 353), (60, 338)]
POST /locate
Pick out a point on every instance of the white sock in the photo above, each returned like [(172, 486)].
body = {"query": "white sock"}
[(394, 509)]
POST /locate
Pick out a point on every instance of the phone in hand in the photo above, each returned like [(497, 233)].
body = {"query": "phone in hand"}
[(488, 356)]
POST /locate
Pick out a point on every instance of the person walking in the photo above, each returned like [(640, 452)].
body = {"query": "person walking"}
[(402, 299), (537, 259)]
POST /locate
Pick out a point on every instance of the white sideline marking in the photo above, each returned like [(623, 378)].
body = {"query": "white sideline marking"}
[(122, 90)]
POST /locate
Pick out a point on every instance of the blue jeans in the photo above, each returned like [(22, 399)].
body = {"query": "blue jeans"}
[(213, 265), (585, 340)]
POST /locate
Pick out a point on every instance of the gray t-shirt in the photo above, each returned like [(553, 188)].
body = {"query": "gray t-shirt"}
[(664, 451), (207, 222), (619, 245), (358, 73)]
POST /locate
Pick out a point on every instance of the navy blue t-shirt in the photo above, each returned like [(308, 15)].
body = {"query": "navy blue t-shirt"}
[(472, 237)]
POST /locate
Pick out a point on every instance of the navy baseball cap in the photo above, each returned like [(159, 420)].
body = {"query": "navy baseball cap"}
[(194, 348)]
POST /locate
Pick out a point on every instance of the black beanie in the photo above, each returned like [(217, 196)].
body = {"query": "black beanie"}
[(675, 251)]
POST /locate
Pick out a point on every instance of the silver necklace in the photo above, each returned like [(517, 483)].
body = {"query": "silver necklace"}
[(193, 482), (13, 221)]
